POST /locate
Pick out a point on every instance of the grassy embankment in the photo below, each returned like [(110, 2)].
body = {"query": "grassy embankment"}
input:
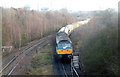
[(42, 62), (97, 43)]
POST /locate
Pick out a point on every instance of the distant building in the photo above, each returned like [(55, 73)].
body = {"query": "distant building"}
[(26, 7), (44, 9)]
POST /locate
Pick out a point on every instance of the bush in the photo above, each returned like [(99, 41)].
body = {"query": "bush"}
[(98, 45)]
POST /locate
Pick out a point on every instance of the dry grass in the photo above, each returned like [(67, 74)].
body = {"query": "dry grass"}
[(42, 62)]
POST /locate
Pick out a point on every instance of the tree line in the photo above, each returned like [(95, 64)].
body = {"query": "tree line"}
[(97, 44), (21, 26)]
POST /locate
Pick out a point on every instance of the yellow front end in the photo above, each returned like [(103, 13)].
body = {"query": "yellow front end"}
[(64, 51)]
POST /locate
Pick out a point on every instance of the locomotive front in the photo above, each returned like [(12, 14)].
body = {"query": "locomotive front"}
[(63, 46)]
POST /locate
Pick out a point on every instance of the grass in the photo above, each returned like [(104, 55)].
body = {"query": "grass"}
[(42, 62)]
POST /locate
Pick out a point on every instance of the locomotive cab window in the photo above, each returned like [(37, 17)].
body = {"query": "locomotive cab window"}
[(64, 44)]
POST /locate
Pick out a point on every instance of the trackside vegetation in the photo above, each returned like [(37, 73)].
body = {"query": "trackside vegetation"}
[(97, 43), (21, 26), (42, 62)]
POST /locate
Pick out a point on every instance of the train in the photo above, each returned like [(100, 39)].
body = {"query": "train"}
[(63, 44)]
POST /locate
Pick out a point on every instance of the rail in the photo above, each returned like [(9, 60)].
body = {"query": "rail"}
[(22, 54)]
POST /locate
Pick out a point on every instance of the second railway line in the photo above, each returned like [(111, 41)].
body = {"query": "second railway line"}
[(63, 49), (9, 68)]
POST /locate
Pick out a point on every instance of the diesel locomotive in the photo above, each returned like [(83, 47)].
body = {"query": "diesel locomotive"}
[(63, 44)]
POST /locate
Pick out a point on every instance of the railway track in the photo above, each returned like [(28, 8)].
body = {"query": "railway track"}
[(62, 36), (13, 63), (70, 69), (65, 72), (74, 70)]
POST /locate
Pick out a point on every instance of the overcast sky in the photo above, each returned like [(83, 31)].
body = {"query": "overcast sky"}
[(74, 5)]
